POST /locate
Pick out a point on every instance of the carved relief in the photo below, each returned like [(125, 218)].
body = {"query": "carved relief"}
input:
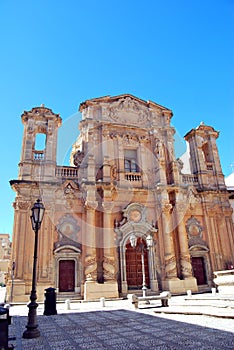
[(68, 229), (69, 191), (109, 268), (113, 172), (194, 231), (135, 212), (193, 228), (90, 268), (186, 268), (159, 150), (78, 158), (170, 267), (129, 111)]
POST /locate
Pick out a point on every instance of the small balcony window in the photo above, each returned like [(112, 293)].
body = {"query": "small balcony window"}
[(130, 161)]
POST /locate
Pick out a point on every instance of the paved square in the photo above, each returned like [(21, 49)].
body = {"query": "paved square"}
[(118, 329)]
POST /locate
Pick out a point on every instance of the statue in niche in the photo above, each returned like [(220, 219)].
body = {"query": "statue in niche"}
[(159, 150)]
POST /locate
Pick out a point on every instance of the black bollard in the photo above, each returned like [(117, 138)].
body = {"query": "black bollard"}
[(50, 302)]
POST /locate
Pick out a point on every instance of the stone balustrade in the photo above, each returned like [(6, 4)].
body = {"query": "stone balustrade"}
[(66, 171), (190, 179)]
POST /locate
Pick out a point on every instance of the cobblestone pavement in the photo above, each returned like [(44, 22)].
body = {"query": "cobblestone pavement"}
[(123, 329)]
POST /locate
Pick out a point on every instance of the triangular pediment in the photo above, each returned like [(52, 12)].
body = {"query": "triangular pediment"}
[(111, 99), (124, 109)]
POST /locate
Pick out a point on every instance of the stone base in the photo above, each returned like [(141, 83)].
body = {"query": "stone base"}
[(154, 285), (225, 281), (226, 290), (21, 292), (177, 286), (18, 293), (95, 291)]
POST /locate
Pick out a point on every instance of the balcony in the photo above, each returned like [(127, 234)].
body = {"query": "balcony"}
[(133, 176), (38, 156), (66, 172), (190, 179)]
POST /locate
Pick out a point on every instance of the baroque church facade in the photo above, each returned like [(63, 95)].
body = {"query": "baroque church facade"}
[(125, 213)]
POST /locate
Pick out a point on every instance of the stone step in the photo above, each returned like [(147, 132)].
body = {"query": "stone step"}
[(71, 296)]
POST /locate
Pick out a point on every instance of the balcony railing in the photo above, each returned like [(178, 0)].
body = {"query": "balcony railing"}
[(66, 171), (133, 176), (190, 179), (209, 166), (38, 155)]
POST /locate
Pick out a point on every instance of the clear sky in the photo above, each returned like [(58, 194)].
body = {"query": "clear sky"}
[(177, 53)]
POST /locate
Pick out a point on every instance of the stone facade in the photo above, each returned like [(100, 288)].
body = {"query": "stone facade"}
[(124, 184)]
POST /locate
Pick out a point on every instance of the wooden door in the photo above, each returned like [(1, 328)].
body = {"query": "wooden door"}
[(66, 275), (199, 270), (134, 265)]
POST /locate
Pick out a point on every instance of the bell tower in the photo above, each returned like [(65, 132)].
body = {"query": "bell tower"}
[(205, 161), (38, 159)]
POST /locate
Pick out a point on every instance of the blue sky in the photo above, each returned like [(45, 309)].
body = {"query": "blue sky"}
[(179, 54)]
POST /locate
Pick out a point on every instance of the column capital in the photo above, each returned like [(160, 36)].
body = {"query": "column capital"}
[(108, 206), (21, 205), (166, 208), (91, 205)]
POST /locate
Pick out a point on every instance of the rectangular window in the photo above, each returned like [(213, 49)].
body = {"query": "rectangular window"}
[(130, 161)]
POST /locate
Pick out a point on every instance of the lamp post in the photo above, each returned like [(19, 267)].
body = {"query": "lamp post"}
[(12, 280), (142, 249), (32, 330)]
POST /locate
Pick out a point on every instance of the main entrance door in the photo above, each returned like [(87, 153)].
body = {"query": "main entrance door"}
[(199, 270), (134, 265), (66, 276)]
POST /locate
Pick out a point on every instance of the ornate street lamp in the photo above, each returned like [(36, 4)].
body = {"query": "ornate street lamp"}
[(141, 248), (32, 330)]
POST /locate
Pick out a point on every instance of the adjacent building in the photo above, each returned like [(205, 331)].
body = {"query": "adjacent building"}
[(126, 212), (5, 255)]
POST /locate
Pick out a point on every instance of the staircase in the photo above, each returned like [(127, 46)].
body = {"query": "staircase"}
[(62, 296)]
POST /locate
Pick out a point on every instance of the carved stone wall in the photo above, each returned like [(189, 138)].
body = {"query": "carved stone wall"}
[(98, 204)]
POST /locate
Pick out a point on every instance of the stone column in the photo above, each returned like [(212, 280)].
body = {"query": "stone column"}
[(169, 251), (185, 263), (108, 243), (109, 259), (90, 243)]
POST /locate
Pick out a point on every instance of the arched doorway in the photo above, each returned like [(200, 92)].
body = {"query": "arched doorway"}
[(134, 271)]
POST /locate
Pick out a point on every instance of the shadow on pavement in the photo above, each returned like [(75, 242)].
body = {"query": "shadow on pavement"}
[(116, 329)]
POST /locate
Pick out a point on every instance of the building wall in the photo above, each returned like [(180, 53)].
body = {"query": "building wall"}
[(124, 185)]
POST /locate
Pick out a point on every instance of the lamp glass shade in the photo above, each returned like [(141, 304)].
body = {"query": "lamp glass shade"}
[(133, 240), (38, 210), (149, 241)]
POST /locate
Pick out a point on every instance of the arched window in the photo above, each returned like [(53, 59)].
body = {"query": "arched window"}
[(40, 142), (206, 153), (39, 147)]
